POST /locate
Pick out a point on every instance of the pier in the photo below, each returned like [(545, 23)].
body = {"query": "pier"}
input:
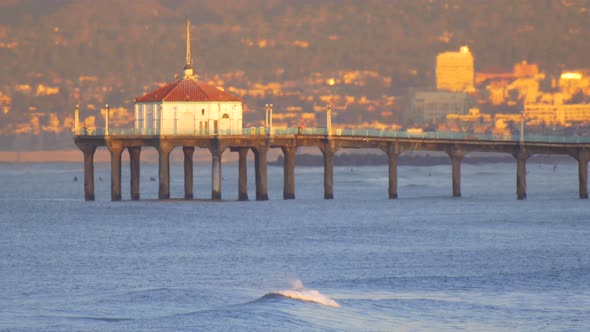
[(288, 140)]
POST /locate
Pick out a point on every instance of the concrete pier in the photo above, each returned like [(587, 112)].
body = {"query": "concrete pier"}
[(116, 152), (456, 157), (289, 143), (328, 152), (521, 158), (583, 157), (164, 170), (216, 153), (260, 165), (188, 152), (289, 172), (243, 174), (134, 170), (88, 151)]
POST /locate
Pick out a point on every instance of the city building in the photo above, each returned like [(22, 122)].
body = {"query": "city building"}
[(188, 106), (455, 71), (558, 114), (433, 106), (526, 70)]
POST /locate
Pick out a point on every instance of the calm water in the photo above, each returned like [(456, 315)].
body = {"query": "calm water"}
[(426, 261)]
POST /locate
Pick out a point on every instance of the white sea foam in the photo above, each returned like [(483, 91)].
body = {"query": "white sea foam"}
[(299, 292)]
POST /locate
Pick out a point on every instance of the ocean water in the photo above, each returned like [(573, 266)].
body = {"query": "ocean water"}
[(360, 262)]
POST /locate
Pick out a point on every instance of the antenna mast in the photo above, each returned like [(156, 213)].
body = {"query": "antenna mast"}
[(188, 42), (188, 68)]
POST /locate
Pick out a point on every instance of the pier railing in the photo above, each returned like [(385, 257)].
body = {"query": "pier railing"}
[(368, 133)]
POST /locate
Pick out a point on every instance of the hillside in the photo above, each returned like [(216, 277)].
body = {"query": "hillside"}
[(144, 38)]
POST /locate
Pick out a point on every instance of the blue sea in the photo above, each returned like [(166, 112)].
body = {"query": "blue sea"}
[(360, 262)]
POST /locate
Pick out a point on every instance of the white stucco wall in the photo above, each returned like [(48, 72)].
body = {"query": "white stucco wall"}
[(189, 117)]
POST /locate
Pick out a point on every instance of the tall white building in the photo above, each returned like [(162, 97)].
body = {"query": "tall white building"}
[(188, 106), (455, 71)]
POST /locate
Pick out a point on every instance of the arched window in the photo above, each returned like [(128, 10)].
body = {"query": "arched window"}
[(225, 116)]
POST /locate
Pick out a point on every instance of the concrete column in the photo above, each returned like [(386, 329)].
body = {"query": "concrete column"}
[(88, 151), (583, 173), (521, 158), (243, 174), (456, 157), (116, 152), (261, 173), (134, 170), (216, 153), (392, 156), (289, 172), (328, 153), (188, 171), (164, 170)]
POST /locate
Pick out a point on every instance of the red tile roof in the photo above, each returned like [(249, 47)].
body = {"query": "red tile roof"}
[(188, 89)]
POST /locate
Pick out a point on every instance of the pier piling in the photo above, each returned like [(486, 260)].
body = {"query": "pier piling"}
[(134, 170), (188, 152)]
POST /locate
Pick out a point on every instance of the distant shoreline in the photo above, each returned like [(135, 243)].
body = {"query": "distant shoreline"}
[(425, 159)]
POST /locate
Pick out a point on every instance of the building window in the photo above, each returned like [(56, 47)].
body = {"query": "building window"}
[(225, 116), (203, 112)]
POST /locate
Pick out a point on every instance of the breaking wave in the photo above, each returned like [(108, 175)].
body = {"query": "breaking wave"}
[(299, 292)]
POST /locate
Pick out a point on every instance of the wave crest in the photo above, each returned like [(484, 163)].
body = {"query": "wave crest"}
[(307, 295)]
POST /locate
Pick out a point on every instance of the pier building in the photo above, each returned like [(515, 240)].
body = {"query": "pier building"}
[(188, 106)]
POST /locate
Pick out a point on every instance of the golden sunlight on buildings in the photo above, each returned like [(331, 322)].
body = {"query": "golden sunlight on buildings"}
[(301, 43), (558, 114), (119, 116), (23, 88), (5, 102), (455, 71), (45, 90), (571, 76), (53, 124)]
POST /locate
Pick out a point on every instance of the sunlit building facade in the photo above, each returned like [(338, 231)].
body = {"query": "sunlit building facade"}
[(455, 71), (433, 106)]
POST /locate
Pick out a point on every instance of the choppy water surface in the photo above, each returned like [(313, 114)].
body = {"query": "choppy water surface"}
[(359, 262)]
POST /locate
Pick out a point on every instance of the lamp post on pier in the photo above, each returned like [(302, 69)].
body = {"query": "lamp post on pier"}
[(329, 120), (106, 129), (76, 119)]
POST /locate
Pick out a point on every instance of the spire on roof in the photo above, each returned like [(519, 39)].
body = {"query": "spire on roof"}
[(188, 68), (188, 42)]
